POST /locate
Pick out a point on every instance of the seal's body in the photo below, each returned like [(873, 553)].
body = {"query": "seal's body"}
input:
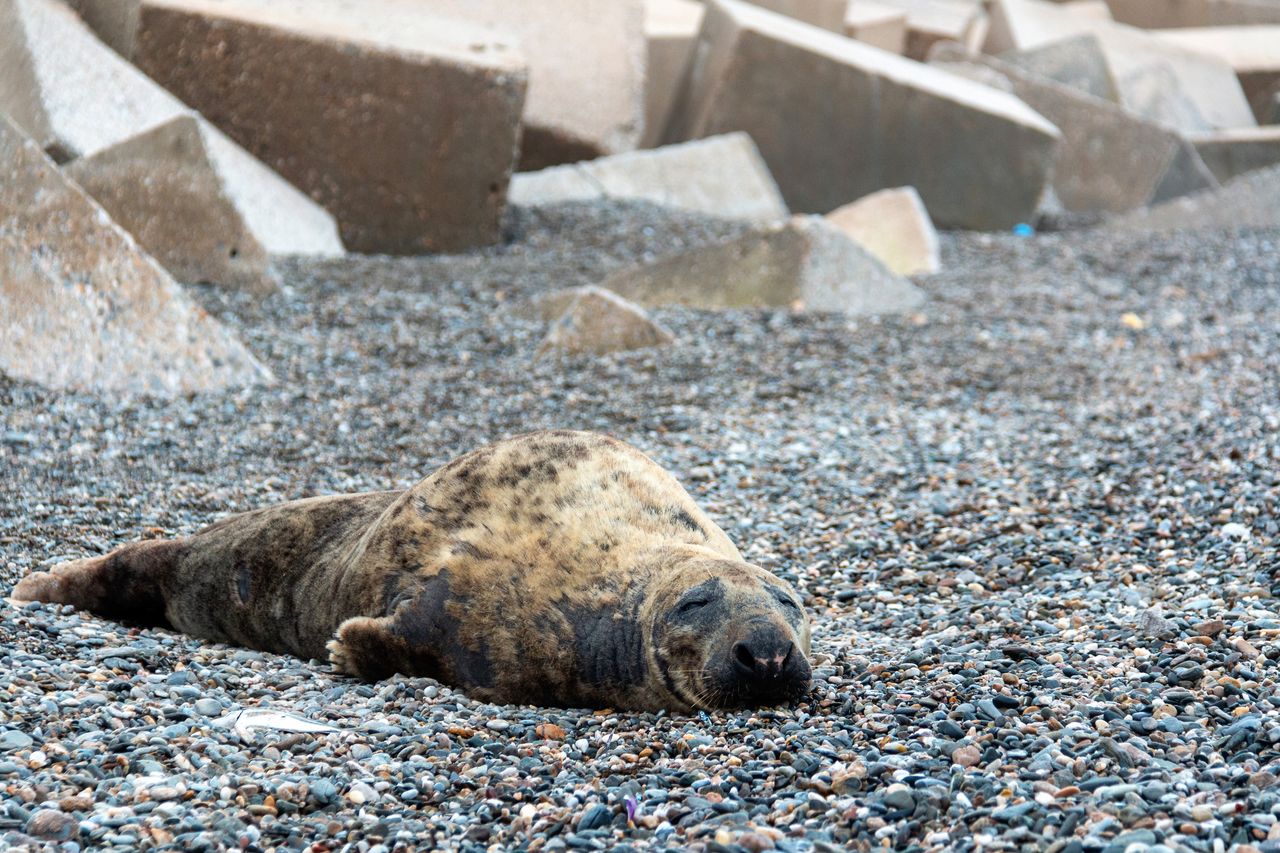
[(553, 568)]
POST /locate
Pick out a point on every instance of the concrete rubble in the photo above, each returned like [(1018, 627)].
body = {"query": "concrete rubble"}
[(596, 321), (894, 226)]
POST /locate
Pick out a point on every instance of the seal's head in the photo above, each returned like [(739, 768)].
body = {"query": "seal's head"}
[(727, 634)]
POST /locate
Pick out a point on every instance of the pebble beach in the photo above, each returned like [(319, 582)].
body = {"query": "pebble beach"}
[(1035, 524)]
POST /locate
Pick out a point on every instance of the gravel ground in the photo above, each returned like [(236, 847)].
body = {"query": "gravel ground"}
[(1036, 526)]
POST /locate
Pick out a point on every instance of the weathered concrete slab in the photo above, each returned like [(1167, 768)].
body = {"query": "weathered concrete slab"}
[(828, 14), (183, 191), (569, 115), (721, 176), (1253, 52), (803, 264), (897, 123), (1109, 160), (1078, 62), (670, 30), (1251, 200), (407, 135), (596, 321), (1150, 14), (81, 306), (894, 226), (876, 24), (1158, 80), (79, 99), (932, 21), (1229, 153)]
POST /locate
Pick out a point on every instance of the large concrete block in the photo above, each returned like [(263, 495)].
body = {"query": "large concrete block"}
[(720, 176), (933, 21), (597, 322), (182, 190), (1154, 78), (828, 14), (1229, 153), (1109, 160), (1253, 52), (586, 58), (1251, 200), (876, 24), (804, 264), (836, 120), (1160, 14), (81, 306), (670, 30), (894, 226), (1078, 62), (407, 135), (79, 99)]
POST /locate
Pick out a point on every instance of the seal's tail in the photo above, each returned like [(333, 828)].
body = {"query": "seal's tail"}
[(126, 584)]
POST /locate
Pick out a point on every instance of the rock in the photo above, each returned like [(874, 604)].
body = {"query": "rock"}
[(568, 115), (806, 264), (201, 208), (399, 179), (722, 176), (1228, 153), (1154, 78), (757, 73), (877, 24), (12, 739), (1194, 13), (78, 99), (828, 14), (670, 30), (1251, 200), (83, 307), (1253, 52), (598, 322), (1109, 161), (967, 756), (894, 226), (933, 21), (1077, 62), (52, 825), (1152, 624)]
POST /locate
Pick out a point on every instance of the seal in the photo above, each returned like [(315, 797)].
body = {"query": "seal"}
[(554, 568)]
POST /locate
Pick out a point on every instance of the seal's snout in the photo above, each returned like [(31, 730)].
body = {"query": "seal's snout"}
[(763, 656), (766, 666)]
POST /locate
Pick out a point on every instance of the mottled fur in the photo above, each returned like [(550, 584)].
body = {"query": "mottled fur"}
[(553, 568)]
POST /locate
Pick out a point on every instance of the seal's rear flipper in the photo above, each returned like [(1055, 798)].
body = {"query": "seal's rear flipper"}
[(125, 584)]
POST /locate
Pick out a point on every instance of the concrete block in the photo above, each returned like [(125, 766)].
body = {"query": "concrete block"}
[(670, 30), (836, 120), (1078, 62), (1229, 153), (803, 264), (1154, 78), (721, 176), (1253, 52), (828, 14), (1161, 14), (933, 21), (894, 226), (406, 134), (876, 24), (1109, 160), (597, 321), (83, 307), (1251, 200)]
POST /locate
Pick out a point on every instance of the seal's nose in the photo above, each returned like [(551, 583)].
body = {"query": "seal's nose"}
[(762, 656)]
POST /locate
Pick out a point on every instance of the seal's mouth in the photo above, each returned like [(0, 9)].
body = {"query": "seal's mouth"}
[(763, 670)]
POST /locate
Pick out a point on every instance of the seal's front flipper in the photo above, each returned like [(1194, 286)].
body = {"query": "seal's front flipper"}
[(127, 584), (369, 649)]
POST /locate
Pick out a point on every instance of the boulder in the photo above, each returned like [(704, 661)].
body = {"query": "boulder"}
[(83, 307), (596, 321), (722, 176), (1160, 14), (78, 99), (670, 30), (895, 227), (828, 14), (1158, 80), (1229, 153), (836, 120), (1110, 160), (1251, 200), (203, 209), (1253, 52), (933, 21), (876, 24), (569, 115), (406, 132), (803, 264)]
